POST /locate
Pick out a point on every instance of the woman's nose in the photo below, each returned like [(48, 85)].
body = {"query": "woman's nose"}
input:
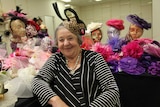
[(66, 42)]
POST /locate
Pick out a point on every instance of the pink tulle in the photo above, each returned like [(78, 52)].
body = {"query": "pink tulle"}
[(16, 62), (39, 58), (143, 41), (152, 49)]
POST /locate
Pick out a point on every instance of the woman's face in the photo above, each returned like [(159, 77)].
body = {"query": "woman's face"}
[(96, 35), (67, 42), (135, 31)]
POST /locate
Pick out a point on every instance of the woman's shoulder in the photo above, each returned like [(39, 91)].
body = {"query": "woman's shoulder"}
[(90, 54), (56, 56)]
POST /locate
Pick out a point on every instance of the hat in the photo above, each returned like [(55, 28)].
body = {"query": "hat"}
[(134, 19), (73, 24), (93, 26), (116, 23)]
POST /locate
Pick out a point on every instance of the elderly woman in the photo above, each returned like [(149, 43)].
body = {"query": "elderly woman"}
[(75, 77)]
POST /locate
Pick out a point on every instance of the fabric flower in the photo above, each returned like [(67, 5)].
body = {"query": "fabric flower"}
[(31, 31), (116, 43), (132, 49), (146, 59), (113, 64), (104, 50), (143, 41), (152, 49), (154, 69), (131, 66)]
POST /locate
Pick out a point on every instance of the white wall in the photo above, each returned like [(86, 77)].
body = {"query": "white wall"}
[(156, 19), (118, 9), (35, 8), (96, 13)]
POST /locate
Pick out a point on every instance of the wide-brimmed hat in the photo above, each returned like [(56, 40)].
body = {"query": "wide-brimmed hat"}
[(134, 19)]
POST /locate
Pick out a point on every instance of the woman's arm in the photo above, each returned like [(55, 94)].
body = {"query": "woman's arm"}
[(110, 92), (56, 101), (40, 84)]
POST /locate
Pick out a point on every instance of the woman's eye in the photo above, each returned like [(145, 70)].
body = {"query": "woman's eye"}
[(70, 38), (61, 40)]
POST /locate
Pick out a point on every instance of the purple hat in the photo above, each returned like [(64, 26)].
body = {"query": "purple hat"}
[(134, 19)]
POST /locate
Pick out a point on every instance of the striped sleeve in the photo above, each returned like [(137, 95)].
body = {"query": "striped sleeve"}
[(110, 92), (40, 84)]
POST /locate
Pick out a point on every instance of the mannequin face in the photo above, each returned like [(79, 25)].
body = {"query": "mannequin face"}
[(18, 30), (112, 32), (96, 35), (135, 31)]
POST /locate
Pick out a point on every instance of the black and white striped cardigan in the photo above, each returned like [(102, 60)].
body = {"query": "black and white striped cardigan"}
[(97, 82)]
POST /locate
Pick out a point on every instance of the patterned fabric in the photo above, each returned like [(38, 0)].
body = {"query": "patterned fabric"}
[(98, 85), (76, 83), (74, 27)]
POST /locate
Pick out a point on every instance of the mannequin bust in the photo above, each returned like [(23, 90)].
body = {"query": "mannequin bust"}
[(135, 31), (94, 28), (137, 27), (18, 31), (96, 35), (114, 28)]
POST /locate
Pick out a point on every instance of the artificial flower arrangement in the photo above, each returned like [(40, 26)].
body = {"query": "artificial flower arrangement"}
[(140, 56)]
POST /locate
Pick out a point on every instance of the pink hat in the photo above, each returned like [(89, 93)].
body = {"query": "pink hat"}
[(116, 23)]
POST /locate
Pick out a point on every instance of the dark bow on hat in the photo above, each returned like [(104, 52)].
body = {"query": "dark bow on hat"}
[(74, 24)]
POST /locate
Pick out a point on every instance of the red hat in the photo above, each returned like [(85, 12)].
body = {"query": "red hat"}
[(116, 23)]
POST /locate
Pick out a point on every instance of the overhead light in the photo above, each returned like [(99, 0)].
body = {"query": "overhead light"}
[(98, 0), (66, 1), (67, 5)]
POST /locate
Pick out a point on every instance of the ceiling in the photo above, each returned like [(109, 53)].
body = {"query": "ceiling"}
[(85, 2)]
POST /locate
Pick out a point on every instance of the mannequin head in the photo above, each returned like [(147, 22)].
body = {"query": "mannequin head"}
[(112, 32), (137, 26), (135, 31), (96, 35), (114, 27), (94, 28), (18, 23), (18, 30)]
